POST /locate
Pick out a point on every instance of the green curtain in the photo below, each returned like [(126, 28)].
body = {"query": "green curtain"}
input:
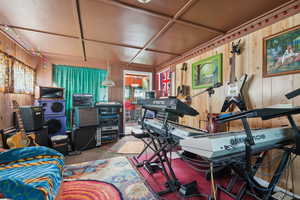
[(79, 80)]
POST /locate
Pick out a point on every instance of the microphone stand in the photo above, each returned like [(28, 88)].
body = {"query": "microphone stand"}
[(210, 92)]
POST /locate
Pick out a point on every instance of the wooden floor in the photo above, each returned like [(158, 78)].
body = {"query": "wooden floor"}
[(103, 152)]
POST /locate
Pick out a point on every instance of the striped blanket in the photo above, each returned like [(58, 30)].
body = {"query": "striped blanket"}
[(33, 173)]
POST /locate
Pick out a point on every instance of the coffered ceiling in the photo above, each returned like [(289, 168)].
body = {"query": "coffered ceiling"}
[(124, 30)]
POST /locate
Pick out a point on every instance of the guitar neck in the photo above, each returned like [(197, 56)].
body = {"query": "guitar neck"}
[(20, 121), (232, 78)]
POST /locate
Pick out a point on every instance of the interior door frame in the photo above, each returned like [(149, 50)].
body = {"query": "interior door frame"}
[(149, 74)]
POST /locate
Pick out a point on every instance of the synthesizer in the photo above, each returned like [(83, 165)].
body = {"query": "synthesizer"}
[(169, 105), (179, 131), (221, 146)]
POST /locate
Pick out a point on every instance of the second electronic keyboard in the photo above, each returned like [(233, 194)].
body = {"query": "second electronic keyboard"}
[(220, 146)]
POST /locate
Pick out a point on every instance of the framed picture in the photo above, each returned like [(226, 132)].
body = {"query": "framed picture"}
[(282, 53), (207, 72)]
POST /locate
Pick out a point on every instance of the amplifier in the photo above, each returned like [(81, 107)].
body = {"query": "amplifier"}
[(110, 128), (51, 92), (32, 116), (85, 116), (82, 100), (85, 138)]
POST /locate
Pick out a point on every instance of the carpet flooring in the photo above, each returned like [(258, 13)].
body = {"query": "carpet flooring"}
[(185, 174), (117, 171)]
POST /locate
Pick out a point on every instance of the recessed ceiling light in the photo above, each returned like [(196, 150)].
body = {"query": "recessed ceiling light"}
[(144, 1)]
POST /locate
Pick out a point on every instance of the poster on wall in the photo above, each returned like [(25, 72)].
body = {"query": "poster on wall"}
[(282, 53), (164, 83), (207, 72)]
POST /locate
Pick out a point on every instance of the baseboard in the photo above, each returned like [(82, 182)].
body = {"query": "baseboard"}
[(277, 189)]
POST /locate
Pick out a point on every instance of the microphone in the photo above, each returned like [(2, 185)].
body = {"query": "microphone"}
[(293, 94)]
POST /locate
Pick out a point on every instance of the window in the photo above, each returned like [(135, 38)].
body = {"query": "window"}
[(5, 67), (23, 77)]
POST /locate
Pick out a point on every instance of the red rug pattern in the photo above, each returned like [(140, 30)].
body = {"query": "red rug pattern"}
[(186, 174), (89, 190)]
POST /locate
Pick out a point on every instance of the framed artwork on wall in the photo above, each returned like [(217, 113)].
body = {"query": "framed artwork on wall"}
[(207, 72), (281, 53)]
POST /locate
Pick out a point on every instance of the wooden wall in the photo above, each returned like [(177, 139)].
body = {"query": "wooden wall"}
[(11, 48), (261, 91)]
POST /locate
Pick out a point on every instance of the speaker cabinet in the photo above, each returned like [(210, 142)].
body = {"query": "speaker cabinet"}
[(32, 116), (53, 107), (86, 116), (84, 138), (56, 124)]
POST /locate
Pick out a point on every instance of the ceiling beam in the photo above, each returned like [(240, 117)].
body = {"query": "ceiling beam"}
[(165, 28), (131, 46), (161, 16), (91, 40), (16, 41), (77, 16), (39, 31)]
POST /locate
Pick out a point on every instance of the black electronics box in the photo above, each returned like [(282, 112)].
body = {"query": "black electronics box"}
[(84, 138), (33, 117)]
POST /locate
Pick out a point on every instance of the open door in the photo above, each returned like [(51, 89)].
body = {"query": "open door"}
[(136, 83)]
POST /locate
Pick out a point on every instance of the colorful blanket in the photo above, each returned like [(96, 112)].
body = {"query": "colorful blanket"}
[(33, 173)]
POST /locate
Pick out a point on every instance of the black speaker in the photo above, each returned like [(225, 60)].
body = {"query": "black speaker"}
[(84, 138), (86, 116), (42, 137), (32, 116), (56, 124)]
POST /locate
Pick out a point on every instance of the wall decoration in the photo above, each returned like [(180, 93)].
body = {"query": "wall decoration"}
[(282, 53), (207, 72), (164, 83)]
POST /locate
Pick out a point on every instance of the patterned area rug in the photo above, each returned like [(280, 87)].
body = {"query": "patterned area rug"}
[(89, 190), (116, 171)]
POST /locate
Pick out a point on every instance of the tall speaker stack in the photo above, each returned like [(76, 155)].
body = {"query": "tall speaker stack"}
[(53, 104), (85, 134)]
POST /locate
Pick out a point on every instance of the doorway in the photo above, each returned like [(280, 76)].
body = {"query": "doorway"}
[(135, 85)]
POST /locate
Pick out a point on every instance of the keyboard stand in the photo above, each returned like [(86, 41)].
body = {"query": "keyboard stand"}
[(164, 144), (247, 172)]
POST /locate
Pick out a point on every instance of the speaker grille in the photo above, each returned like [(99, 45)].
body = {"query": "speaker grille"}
[(54, 126)]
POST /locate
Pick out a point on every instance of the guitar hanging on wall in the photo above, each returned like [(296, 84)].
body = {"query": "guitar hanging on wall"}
[(20, 139), (234, 89), (183, 91)]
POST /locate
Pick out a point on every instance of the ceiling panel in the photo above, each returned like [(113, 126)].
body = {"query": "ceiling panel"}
[(47, 15), (227, 14), (167, 7), (53, 44), (112, 53), (112, 23), (151, 58), (180, 38)]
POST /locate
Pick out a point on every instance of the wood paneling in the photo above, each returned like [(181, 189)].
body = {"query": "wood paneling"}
[(5, 98), (261, 92)]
